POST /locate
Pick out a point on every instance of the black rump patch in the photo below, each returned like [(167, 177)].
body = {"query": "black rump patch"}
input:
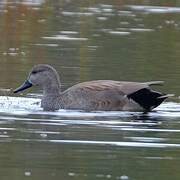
[(147, 98)]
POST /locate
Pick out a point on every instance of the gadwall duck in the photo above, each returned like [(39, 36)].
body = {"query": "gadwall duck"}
[(99, 95)]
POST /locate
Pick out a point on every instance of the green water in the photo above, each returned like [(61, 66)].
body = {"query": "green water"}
[(86, 40)]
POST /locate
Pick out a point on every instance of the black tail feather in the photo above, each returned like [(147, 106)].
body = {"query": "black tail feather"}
[(147, 98)]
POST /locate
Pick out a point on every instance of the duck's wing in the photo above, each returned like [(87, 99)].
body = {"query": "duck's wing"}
[(111, 94), (122, 86), (94, 95), (132, 87), (154, 83)]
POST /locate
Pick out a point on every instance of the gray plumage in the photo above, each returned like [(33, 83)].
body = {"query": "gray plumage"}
[(99, 95)]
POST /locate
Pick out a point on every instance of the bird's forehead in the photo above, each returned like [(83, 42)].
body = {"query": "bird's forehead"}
[(39, 68)]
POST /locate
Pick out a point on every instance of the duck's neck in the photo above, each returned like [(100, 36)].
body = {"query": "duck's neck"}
[(51, 96), (52, 89)]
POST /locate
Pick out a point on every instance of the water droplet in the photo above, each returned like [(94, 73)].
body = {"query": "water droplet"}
[(43, 135), (100, 175), (23, 53), (124, 177), (71, 174), (102, 18), (27, 173)]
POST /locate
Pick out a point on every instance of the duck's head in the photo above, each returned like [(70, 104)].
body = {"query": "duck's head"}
[(42, 75)]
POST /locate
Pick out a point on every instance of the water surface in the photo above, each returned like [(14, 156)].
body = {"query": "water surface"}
[(87, 40)]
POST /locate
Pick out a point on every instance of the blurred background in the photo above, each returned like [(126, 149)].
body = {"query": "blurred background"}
[(91, 39)]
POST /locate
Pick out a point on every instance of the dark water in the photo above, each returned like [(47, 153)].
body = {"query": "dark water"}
[(87, 40)]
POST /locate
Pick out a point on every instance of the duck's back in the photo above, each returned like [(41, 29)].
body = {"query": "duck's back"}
[(102, 95)]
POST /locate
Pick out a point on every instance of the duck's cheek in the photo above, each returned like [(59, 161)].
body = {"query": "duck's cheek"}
[(34, 83), (38, 79), (33, 80)]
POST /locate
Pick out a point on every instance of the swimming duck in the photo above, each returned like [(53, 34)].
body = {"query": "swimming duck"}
[(98, 95)]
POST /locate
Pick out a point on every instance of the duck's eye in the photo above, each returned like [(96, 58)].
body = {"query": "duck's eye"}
[(34, 72), (37, 71)]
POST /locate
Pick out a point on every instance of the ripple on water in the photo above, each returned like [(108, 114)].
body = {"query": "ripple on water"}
[(65, 38), (114, 143), (119, 33), (46, 45), (69, 13), (154, 9), (27, 3), (23, 105), (70, 127)]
